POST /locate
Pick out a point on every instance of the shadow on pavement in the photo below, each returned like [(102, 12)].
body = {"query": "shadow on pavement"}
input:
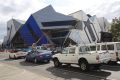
[(23, 63), (7, 59), (75, 73), (111, 67)]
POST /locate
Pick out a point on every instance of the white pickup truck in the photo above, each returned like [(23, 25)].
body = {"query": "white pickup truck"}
[(82, 56)]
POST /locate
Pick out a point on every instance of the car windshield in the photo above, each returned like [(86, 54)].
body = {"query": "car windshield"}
[(118, 46)]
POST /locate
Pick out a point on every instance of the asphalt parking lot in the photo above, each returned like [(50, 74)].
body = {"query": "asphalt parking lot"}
[(107, 72)]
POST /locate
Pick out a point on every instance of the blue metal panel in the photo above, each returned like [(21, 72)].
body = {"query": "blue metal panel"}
[(30, 30), (26, 35), (37, 31)]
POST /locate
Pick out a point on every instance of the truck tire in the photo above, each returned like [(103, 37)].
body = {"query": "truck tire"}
[(84, 66), (56, 63)]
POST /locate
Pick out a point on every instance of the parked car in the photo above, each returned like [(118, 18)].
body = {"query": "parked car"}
[(18, 53), (39, 56), (82, 56)]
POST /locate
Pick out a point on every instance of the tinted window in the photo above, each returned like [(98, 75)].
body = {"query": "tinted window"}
[(93, 48), (64, 51), (110, 47), (118, 46), (103, 47), (84, 49), (72, 50), (98, 47)]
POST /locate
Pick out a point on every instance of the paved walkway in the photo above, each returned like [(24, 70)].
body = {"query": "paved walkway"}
[(8, 72)]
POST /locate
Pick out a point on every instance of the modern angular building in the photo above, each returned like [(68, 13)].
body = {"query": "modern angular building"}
[(13, 38), (51, 27), (88, 28), (46, 24)]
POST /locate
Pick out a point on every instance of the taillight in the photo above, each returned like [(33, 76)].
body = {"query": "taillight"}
[(97, 57), (116, 53)]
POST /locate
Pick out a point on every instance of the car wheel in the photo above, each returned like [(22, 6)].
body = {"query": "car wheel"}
[(15, 57), (26, 59), (56, 63), (10, 57), (35, 60), (84, 66)]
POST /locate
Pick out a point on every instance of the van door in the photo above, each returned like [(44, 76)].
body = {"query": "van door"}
[(72, 56), (118, 50), (63, 55), (112, 52)]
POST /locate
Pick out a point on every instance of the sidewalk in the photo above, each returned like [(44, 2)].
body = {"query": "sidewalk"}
[(13, 73)]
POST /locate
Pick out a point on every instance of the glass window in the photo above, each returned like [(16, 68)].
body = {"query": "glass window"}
[(84, 49), (98, 47), (43, 48), (93, 48), (72, 51), (103, 47), (118, 46), (64, 51), (110, 47)]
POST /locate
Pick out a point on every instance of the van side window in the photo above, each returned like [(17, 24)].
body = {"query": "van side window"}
[(84, 49), (64, 51), (103, 47), (98, 47), (93, 48), (110, 47), (118, 46), (72, 51)]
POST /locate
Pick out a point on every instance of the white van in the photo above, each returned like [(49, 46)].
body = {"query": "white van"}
[(113, 48)]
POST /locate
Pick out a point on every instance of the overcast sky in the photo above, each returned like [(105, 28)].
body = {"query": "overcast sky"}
[(21, 9)]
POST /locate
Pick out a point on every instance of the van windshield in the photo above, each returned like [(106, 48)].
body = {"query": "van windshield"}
[(118, 46)]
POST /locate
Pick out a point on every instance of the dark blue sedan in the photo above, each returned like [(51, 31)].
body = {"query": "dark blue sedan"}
[(39, 56)]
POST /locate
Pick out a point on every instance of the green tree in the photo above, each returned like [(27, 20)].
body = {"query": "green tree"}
[(115, 29)]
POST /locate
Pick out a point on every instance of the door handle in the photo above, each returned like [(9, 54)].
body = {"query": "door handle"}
[(73, 55)]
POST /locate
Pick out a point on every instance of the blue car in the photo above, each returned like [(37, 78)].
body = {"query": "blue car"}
[(39, 56)]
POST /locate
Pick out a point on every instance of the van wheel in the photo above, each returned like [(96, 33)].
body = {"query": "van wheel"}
[(84, 66), (56, 63)]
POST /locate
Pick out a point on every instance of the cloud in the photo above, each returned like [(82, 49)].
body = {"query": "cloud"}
[(22, 9), (18, 9)]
